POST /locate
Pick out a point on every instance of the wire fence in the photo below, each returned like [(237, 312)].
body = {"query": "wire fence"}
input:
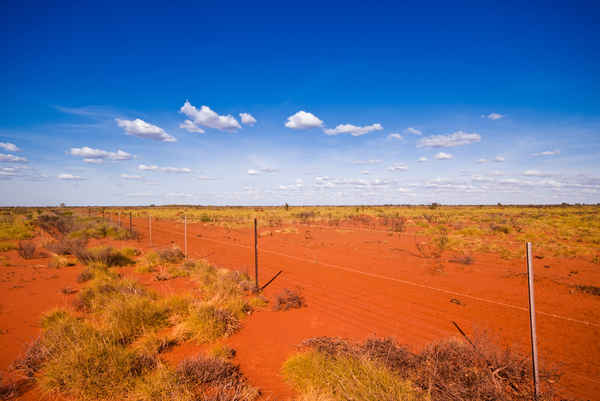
[(355, 305)]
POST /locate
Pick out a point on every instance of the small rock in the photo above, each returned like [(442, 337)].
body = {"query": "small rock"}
[(547, 266), (455, 301)]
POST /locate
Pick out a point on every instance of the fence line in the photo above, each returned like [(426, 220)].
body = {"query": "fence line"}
[(406, 282)]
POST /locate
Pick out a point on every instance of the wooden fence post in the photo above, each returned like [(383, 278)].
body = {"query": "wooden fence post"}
[(150, 228)]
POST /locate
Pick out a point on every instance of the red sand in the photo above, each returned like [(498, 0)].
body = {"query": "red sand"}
[(357, 283)]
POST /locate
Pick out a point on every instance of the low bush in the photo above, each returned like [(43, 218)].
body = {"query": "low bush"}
[(445, 370), (105, 255), (66, 246), (207, 323), (590, 289), (289, 299), (463, 260), (347, 377), (170, 255), (26, 249)]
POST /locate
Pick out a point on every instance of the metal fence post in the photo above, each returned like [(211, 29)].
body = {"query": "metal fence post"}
[(185, 236), (256, 253), (150, 228), (532, 324), (130, 223)]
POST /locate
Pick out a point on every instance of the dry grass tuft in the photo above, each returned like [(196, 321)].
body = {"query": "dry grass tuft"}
[(26, 249)]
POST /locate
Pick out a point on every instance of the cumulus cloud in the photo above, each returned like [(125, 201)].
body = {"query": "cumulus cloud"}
[(547, 153), (131, 177), (207, 118), (191, 127), (370, 161), (499, 159), (398, 167), (492, 116), (91, 155), (145, 167), (178, 195), (422, 159), (9, 147), (443, 156), (395, 136), (252, 172), (303, 120), (247, 119), (353, 129), (457, 138), (70, 177), (142, 129), (413, 131), (12, 158), (482, 160)]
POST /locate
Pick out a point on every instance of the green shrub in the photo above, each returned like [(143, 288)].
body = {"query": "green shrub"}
[(206, 323), (346, 378)]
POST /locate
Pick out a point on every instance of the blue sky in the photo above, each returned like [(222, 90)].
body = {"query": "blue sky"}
[(345, 103)]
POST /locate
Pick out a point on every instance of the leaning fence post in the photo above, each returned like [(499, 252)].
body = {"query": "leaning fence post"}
[(532, 324), (256, 253)]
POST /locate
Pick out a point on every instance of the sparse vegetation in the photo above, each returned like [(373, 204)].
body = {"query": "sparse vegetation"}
[(336, 369), (289, 299)]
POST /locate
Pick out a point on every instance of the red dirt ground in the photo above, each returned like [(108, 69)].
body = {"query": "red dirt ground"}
[(356, 283)]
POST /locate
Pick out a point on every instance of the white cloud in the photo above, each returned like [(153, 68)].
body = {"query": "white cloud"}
[(12, 158), (178, 195), (422, 159), (91, 155), (142, 129), (535, 173), (268, 169), (303, 120), (208, 118), (70, 177), (365, 172), (443, 156), (482, 161), (395, 136), (191, 127), (493, 116), (9, 147), (457, 138), (139, 195), (247, 118), (499, 159), (252, 172), (145, 167), (413, 131), (353, 129), (371, 161), (547, 153), (131, 177), (398, 167)]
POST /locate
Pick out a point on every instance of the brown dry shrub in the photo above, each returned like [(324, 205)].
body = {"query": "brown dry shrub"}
[(289, 299), (66, 246), (449, 369), (207, 370), (170, 255), (33, 358), (26, 249)]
